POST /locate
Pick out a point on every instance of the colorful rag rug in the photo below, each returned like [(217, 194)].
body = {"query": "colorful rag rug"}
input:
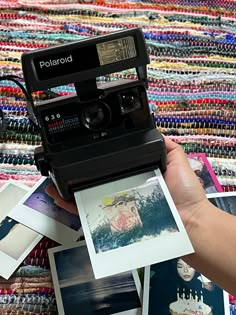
[(192, 84)]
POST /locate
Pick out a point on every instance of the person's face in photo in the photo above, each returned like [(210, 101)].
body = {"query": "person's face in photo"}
[(109, 212), (125, 207), (123, 215), (185, 271)]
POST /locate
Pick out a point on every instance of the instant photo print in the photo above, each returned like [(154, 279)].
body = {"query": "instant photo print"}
[(49, 219), (203, 170), (174, 287), (131, 223), (103, 132), (226, 201), (78, 292)]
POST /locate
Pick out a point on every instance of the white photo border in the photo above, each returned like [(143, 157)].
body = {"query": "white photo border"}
[(222, 194)]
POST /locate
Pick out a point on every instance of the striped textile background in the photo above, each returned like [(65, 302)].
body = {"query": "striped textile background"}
[(192, 82)]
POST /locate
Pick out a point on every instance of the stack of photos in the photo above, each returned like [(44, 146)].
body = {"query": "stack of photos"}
[(16, 240), (202, 168), (48, 218), (77, 291), (175, 288), (131, 223)]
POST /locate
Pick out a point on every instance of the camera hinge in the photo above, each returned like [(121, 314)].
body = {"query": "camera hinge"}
[(87, 90)]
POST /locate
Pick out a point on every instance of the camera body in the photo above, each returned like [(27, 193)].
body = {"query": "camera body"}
[(103, 132)]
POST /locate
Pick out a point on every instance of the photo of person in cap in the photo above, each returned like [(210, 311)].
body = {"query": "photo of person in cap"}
[(121, 211)]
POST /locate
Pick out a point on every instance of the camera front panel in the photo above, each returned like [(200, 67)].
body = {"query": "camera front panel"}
[(68, 122)]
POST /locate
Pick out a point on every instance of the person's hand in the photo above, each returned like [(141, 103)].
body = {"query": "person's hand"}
[(183, 184), (69, 206)]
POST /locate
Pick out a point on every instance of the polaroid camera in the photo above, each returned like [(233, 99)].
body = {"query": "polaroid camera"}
[(103, 132)]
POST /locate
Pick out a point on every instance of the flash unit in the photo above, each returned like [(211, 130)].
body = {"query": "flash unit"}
[(116, 50)]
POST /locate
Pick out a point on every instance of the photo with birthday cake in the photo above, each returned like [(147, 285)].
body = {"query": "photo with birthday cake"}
[(175, 288), (191, 305)]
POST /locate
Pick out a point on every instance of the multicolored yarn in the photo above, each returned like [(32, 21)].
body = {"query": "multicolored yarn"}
[(192, 48), (191, 74), (30, 290)]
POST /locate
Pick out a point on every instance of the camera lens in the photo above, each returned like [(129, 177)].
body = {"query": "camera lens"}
[(130, 101), (96, 115)]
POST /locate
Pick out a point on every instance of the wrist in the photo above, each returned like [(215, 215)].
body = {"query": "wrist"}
[(198, 215)]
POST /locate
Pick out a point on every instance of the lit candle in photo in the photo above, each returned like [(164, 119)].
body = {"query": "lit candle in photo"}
[(190, 295), (201, 297)]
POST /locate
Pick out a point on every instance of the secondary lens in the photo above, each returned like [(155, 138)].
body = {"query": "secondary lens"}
[(130, 101), (96, 115)]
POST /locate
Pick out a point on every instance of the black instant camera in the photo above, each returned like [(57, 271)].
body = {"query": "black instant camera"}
[(103, 132)]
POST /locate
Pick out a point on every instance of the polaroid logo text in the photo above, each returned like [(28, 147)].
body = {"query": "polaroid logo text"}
[(55, 62)]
